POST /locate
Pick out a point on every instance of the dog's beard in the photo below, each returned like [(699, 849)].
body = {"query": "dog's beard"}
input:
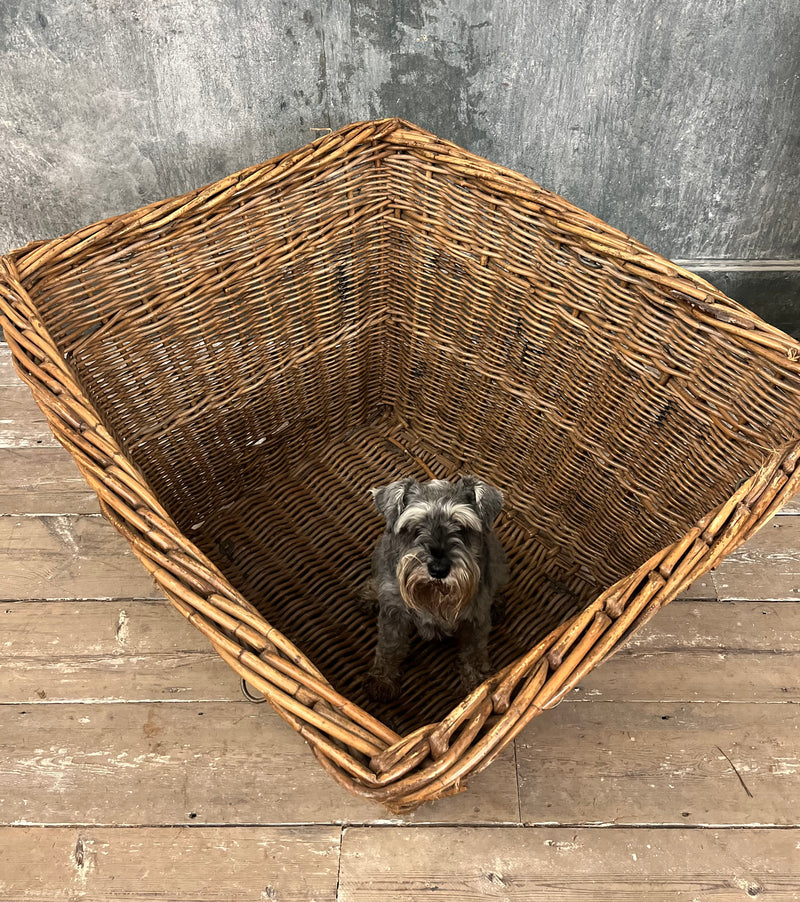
[(442, 598)]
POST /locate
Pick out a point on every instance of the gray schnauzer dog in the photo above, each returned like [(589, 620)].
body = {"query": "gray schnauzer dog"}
[(437, 568)]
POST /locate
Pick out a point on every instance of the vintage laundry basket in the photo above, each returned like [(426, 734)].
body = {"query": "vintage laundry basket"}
[(234, 368)]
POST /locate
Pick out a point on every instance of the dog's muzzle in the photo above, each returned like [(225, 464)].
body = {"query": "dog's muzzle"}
[(443, 597)]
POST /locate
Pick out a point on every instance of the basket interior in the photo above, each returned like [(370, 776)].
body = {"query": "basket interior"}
[(320, 333)]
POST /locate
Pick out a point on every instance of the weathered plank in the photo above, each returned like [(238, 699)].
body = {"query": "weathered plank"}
[(696, 676), (766, 567), (8, 375), (193, 763), (209, 864), (236, 763), (661, 763), (82, 556), (737, 652), (143, 650), (130, 650), (118, 627), (118, 678), (43, 480), (79, 556), (702, 589), (44, 555), (729, 627), (570, 865), (22, 424)]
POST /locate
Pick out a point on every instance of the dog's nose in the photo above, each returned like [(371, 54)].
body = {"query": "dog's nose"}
[(439, 568)]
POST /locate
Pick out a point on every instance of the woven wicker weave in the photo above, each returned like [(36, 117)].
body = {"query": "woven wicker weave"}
[(234, 368)]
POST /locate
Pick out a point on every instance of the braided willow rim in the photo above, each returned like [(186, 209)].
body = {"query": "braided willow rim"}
[(233, 369)]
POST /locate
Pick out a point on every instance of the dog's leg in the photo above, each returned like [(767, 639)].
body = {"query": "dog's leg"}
[(368, 596), (394, 637), (473, 651), (499, 609)]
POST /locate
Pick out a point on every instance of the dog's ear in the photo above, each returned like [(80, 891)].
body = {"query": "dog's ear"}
[(484, 498), (391, 500)]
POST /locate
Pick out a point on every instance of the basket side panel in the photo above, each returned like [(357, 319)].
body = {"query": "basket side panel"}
[(611, 411), (214, 343)]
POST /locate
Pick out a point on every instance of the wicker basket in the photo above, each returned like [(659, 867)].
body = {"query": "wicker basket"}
[(234, 368)]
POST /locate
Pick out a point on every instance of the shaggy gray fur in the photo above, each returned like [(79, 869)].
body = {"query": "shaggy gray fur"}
[(437, 568)]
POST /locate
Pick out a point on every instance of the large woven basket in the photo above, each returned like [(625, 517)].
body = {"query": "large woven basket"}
[(233, 369)]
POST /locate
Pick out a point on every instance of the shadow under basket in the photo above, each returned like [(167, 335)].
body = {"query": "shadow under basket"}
[(233, 369)]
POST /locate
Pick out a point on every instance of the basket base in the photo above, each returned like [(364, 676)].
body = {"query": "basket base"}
[(298, 547)]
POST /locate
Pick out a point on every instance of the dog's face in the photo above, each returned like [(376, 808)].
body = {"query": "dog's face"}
[(437, 531)]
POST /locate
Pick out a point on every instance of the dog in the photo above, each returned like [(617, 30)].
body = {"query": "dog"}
[(437, 568)]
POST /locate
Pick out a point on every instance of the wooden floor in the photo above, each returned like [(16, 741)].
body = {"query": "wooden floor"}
[(131, 767)]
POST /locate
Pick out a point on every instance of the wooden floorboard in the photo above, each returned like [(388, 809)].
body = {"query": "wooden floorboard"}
[(193, 763), (702, 652), (68, 556), (21, 424), (768, 566), (43, 481), (272, 864), (568, 865), (143, 650), (662, 763), (107, 651), (232, 762), (131, 768)]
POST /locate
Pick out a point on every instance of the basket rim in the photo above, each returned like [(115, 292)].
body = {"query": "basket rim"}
[(375, 761), (705, 302)]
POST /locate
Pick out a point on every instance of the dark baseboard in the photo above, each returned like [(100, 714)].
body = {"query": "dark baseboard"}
[(770, 288)]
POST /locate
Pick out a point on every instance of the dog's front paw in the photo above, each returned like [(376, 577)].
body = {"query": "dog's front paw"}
[(381, 688), (472, 675)]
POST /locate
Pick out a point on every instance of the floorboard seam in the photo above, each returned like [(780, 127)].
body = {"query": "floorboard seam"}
[(516, 778), (373, 825), (342, 832)]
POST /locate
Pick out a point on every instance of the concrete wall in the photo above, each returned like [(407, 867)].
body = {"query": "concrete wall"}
[(677, 121)]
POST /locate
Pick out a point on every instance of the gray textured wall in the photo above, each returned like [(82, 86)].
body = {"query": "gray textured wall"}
[(676, 120)]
